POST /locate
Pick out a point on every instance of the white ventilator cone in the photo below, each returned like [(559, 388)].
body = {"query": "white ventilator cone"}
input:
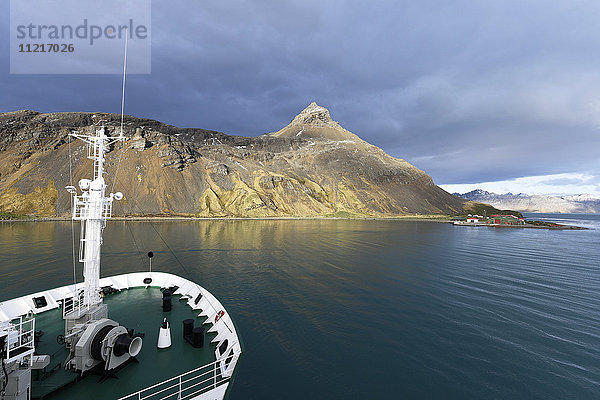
[(164, 335)]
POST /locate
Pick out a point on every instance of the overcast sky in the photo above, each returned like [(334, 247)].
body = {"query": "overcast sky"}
[(469, 91)]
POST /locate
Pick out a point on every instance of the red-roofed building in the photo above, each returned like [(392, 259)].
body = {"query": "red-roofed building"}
[(505, 220)]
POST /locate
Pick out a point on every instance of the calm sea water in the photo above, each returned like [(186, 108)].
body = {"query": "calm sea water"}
[(369, 309)]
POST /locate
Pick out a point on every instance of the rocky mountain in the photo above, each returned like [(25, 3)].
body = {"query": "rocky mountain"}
[(314, 122), (312, 167), (536, 203)]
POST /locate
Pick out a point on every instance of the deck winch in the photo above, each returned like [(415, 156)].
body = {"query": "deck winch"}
[(103, 342)]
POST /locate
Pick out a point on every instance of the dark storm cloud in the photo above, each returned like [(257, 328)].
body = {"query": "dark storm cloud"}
[(466, 90)]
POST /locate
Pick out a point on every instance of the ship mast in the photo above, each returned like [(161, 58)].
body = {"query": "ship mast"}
[(87, 326), (93, 208)]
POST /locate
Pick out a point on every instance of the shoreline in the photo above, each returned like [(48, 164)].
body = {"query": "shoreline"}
[(409, 218), (444, 219), (555, 227)]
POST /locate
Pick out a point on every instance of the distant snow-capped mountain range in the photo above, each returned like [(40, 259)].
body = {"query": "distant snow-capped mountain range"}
[(580, 203)]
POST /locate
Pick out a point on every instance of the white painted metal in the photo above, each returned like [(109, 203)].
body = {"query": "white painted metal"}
[(40, 361), (202, 383), (20, 307), (19, 338), (92, 208), (164, 335)]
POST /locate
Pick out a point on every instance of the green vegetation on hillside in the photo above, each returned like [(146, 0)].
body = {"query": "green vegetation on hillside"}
[(475, 208), (344, 214), (324, 171), (11, 216)]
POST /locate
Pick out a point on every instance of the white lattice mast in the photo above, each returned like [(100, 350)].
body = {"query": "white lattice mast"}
[(93, 208)]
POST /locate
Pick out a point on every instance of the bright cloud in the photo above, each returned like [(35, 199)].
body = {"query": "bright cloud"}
[(557, 184)]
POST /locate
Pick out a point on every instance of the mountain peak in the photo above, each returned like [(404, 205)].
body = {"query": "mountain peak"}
[(314, 112), (314, 115), (326, 171), (315, 122)]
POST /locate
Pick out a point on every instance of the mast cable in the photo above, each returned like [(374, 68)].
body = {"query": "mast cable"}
[(128, 225), (187, 273), (122, 111), (123, 94), (164, 241), (184, 269), (134, 241), (72, 221), (116, 174)]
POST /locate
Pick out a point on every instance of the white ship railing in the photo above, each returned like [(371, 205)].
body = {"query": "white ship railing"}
[(74, 306), (20, 338), (85, 208), (187, 385)]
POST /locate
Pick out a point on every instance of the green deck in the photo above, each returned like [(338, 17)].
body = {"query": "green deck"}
[(140, 309)]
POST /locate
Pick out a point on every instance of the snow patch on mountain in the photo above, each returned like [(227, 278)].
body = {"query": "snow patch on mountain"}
[(581, 203)]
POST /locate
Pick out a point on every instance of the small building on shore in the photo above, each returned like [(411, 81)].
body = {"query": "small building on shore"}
[(474, 218), (504, 220)]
